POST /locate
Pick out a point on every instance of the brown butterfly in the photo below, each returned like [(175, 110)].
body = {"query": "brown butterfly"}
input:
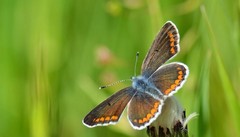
[(149, 90)]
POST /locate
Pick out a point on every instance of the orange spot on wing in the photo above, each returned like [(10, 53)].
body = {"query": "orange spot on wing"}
[(180, 72), (140, 121), (156, 104), (178, 68), (172, 40), (97, 120), (145, 120), (170, 34), (102, 119), (180, 77), (173, 86), (107, 118), (153, 111), (177, 82), (167, 91), (172, 50), (149, 116), (114, 117)]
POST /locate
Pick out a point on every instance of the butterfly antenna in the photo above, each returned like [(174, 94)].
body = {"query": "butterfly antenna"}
[(112, 84), (135, 66)]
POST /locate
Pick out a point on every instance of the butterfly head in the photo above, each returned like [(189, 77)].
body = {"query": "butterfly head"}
[(140, 83)]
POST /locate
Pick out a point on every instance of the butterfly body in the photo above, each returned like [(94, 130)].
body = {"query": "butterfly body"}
[(142, 84), (148, 92)]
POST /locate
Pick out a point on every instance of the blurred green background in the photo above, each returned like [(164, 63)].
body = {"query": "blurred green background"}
[(55, 54)]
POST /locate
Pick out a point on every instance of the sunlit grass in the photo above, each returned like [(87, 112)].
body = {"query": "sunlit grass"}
[(52, 63)]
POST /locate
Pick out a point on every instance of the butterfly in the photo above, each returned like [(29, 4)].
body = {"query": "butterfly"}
[(145, 97)]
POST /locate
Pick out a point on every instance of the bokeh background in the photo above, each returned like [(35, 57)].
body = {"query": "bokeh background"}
[(54, 54)]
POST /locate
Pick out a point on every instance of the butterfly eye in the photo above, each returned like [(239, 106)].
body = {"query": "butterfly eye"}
[(142, 84)]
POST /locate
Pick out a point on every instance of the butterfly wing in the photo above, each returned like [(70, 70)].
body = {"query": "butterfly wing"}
[(110, 110), (164, 47), (143, 110), (169, 78)]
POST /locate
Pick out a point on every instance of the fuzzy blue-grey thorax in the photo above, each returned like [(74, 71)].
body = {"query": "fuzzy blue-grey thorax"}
[(141, 83)]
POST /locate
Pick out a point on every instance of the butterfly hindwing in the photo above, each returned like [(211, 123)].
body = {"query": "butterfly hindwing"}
[(143, 110), (169, 78), (110, 110)]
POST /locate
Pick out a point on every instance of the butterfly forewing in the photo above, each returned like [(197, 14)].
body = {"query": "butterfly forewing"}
[(164, 47), (143, 110), (110, 110), (169, 78)]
